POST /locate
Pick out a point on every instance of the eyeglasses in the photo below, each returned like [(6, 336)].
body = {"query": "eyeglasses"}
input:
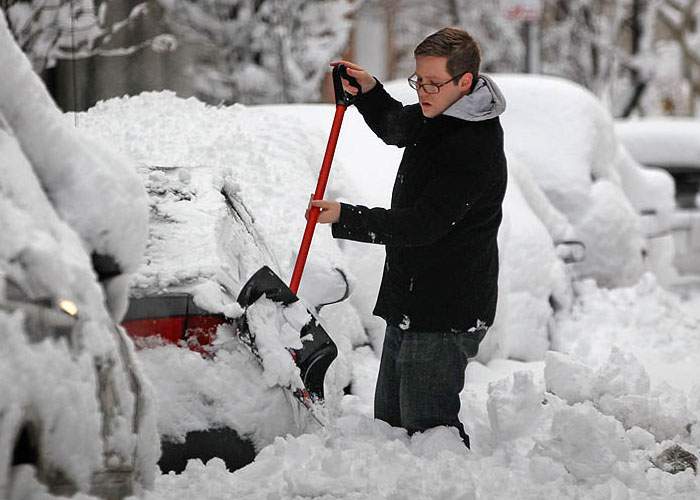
[(431, 88)]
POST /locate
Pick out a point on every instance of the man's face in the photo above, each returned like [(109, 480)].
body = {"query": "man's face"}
[(433, 69)]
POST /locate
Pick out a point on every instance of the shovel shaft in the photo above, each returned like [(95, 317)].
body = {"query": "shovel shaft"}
[(318, 195)]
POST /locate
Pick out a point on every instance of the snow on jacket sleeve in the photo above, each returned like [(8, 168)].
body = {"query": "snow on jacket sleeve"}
[(390, 120), (445, 200)]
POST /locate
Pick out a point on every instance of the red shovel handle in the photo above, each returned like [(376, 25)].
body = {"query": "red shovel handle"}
[(318, 195)]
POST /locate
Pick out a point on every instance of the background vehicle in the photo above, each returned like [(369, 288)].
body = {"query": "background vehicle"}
[(76, 414), (672, 144)]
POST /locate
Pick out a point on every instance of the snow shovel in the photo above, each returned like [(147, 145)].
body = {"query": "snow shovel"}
[(318, 349)]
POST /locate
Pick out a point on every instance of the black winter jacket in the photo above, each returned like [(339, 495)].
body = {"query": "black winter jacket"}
[(441, 267)]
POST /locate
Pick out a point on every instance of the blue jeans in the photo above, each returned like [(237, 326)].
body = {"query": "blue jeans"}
[(420, 377)]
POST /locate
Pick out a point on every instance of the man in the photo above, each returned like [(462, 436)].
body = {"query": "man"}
[(439, 286)]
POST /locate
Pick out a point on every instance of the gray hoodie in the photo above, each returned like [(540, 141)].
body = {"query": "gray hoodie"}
[(484, 102)]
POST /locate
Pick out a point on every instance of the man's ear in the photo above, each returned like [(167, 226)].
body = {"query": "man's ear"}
[(465, 82)]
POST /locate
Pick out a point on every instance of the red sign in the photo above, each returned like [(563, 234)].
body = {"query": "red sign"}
[(523, 10)]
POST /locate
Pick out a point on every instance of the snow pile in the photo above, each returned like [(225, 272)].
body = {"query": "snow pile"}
[(589, 445), (514, 405), (621, 389), (578, 453), (539, 430)]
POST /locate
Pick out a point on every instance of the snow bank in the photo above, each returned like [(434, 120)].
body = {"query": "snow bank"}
[(621, 389), (585, 455), (533, 443)]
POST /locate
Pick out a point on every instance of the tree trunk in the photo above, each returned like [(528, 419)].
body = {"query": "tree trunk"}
[(638, 84)]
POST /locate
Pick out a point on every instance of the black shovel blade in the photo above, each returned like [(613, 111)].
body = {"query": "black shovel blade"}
[(318, 349)]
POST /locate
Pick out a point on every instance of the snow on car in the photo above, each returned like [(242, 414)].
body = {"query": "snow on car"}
[(671, 144), (228, 190), (76, 414)]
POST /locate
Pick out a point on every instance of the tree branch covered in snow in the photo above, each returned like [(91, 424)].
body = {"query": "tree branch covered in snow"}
[(49, 30), (262, 51)]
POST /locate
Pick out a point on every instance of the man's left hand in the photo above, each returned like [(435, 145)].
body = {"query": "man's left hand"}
[(330, 211)]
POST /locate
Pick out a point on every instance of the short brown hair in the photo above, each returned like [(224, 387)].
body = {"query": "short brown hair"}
[(462, 51)]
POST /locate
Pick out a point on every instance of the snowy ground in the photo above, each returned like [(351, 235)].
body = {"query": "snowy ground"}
[(612, 414)]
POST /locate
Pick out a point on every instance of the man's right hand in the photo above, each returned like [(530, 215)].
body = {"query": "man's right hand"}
[(366, 81)]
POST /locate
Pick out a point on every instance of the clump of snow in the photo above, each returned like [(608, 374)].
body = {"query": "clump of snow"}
[(274, 335), (588, 443), (621, 388), (568, 378), (210, 297), (514, 405)]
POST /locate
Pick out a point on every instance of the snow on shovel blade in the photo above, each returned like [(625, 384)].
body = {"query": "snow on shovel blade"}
[(318, 349)]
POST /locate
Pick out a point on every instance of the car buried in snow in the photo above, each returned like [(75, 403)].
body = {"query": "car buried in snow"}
[(62, 440), (227, 196), (76, 413), (196, 310)]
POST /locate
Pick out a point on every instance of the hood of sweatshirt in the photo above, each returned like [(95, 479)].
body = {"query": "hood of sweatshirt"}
[(484, 102)]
